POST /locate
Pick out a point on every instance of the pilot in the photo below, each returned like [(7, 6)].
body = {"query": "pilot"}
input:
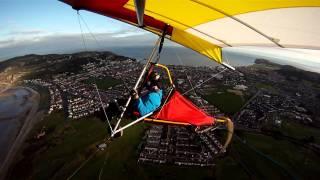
[(151, 100)]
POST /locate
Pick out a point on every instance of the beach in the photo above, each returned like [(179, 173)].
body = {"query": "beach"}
[(18, 114)]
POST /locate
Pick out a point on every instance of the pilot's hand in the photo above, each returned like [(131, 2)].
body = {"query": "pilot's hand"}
[(134, 94)]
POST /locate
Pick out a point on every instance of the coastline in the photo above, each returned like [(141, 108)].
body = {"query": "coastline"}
[(27, 119), (6, 87)]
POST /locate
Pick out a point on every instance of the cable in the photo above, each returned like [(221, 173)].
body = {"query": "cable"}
[(84, 163), (104, 111), (205, 81), (104, 163), (93, 36), (185, 71), (83, 39), (284, 170), (97, 42)]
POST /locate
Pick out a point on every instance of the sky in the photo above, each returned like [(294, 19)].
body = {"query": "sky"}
[(44, 26), (50, 26)]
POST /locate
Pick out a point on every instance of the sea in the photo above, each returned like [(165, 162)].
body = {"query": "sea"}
[(182, 56)]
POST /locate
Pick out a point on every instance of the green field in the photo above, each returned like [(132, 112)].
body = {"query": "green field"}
[(227, 102), (279, 159), (300, 131), (104, 83), (229, 168), (68, 143), (263, 86), (121, 163)]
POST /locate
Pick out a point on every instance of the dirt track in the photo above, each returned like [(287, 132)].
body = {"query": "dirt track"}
[(32, 117)]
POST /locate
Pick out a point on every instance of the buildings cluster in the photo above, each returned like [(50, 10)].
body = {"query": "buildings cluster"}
[(162, 144), (180, 146), (266, 107), (76, 94), (56, 102)]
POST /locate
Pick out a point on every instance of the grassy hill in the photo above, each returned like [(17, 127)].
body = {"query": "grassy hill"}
[(226, 101), (68, 143)]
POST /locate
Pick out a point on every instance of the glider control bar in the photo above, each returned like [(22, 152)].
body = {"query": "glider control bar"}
[(228, 66), (130, 124)]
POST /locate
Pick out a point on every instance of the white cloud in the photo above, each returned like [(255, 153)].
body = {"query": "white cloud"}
[(128, 34), (67, 43), (301, 58), (15, 37), (26, 32)]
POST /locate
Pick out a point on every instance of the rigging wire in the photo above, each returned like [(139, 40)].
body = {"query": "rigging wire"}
[(84, 44), (83, 164), (90, 32), (103, 109), (106, 141), (205, 81), (82, 35), (226, 58), (97, 42), (101, 47), (265, 156), (187, 75), (104, 163)]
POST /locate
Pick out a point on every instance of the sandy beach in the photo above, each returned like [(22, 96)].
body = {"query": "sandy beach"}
[(18, 114)]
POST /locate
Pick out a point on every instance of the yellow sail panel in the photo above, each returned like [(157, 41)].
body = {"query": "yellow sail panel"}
[(193, 42), (179, 14), (183, 14)]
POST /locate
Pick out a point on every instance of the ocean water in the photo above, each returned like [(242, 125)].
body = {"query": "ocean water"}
[(182, 56), (9, 104), (244, 56)]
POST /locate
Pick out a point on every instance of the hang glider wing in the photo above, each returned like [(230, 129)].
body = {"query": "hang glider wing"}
[(207, 26)]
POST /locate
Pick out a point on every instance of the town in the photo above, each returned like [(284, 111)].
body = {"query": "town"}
[(112, 77)]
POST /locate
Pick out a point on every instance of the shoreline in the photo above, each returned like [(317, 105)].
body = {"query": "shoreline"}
[(32, 117), (5, 88)]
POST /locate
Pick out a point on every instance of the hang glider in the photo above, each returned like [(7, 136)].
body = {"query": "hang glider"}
[(207, 26)]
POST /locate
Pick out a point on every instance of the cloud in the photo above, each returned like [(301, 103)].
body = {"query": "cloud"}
[(7, 41), (26, 32), (68, 43), (20, 37), (129, 33), (301, 58), (15, 37)]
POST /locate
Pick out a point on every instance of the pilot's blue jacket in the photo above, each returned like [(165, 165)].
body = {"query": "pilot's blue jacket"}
[(149, 102)]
